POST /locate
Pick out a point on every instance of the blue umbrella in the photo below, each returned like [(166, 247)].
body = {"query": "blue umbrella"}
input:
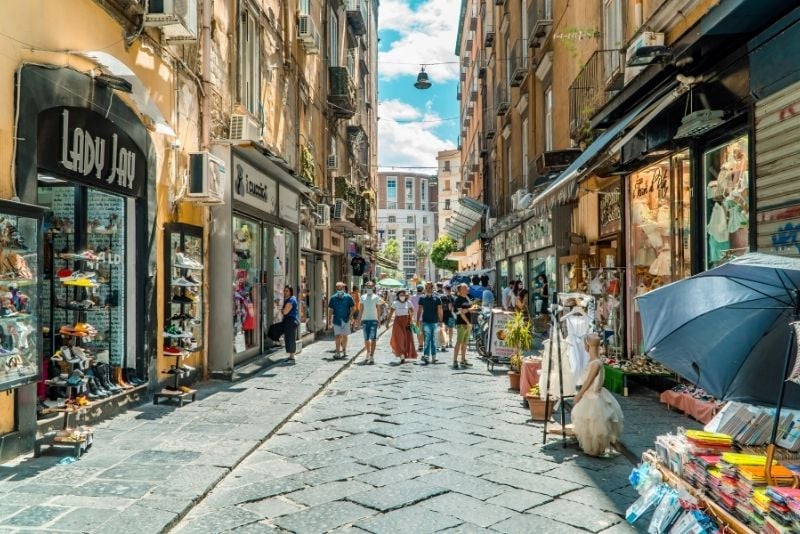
[(728, 329)]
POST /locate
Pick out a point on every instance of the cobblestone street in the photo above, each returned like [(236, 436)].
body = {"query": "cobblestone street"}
[(415, 449)]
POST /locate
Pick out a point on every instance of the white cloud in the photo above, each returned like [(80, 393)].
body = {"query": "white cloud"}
[(409, 144), (427, 35)]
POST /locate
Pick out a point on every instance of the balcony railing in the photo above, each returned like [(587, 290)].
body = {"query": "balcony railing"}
[(357, 16), (501, 99), (599, 80), (481, 66), (518, 62), (540, 21), (342, 92), (487, 16)]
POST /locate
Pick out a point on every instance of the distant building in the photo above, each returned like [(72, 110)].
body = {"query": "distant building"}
[(407, 212)]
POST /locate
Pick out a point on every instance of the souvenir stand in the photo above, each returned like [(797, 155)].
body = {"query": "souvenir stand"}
[(565, 305)]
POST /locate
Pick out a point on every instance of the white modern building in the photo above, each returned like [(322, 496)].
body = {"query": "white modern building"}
[(407, 212)]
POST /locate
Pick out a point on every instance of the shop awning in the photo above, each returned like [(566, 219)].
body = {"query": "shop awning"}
[(386, 263), (346, 227), (466, 214), (456, 255), (274, 165), (565, 186)]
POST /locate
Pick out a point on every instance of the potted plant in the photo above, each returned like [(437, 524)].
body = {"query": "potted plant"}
[(519, 336), (540, 410)]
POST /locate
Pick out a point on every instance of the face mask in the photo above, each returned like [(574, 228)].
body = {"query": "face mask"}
[(370, 291), (402, 299)]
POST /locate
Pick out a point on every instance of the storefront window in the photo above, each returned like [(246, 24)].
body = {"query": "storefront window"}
[(518, 267), (541, 263), (659, 222), (246, 284), (725, 171), (284, 247), (502, 281)]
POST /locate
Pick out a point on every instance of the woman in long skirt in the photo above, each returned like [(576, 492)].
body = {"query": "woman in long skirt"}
[(402, 341)]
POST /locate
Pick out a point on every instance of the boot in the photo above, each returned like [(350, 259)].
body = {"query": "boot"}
[(119, 380), (104, 376), (129, 375), (95, 381)]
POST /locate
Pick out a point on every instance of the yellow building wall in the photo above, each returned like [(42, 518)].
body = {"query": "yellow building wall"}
[(43, 32)]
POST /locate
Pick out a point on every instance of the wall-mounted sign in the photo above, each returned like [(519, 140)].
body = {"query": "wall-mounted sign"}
[(83, 146), (610, 206), (289, 207), (254, 188), (538, 233)]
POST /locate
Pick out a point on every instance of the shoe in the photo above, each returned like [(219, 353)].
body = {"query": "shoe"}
[(173, 351), (423, 360), (185, 262), (182, 299), (183, 282), (185, 389), (420, 348), (434, 360), (465, 365), (80, 282), (455, 365)]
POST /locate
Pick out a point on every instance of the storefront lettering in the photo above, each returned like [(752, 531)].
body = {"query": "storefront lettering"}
[(81, 153), (610, 210), (257, 190), (658, 182), (786, 236)]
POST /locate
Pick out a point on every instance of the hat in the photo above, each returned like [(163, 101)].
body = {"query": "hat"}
[(420, 287), (447, 286)]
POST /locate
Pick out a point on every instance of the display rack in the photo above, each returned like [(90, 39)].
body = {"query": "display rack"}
[(183, 314)]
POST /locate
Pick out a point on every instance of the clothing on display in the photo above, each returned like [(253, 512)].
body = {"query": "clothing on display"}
[(358, 263), (578, 326), (597, 418), (561, 358)]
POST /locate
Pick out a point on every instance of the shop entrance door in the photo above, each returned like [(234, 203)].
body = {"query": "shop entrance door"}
[(247, 288)]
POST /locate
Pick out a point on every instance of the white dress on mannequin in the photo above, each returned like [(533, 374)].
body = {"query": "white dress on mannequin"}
[(566, 368), (577, 328)]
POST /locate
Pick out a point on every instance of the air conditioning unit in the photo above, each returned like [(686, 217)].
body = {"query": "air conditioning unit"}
[(305, 29), (244, 128), (205, 183), (340, 209), (490, 222), (333, 162), (643, 39), (516, 198), (556, 160), (176, 18), (323, 216), (313, 45)]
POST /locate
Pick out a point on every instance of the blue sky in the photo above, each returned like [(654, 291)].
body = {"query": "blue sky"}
[(410, 129)]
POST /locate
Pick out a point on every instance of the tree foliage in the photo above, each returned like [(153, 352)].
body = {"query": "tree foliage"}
[(391, 250), (423, 250), (439, 251)]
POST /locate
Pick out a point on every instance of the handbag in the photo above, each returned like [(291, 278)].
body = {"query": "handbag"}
[(275, 331)]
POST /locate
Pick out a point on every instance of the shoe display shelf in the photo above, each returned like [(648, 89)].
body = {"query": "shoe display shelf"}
[(78, 438), (184, 308)]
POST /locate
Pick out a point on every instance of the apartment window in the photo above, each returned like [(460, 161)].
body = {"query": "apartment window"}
[(509, 176), (249, 61), (548, 118), (447, 204), (410, 219), (523, 16), (447, 185), (304, 7), (447, 166), (391, 219), (424, 220), (409, 193), (612, 24), (525, 152), (423, 194), (391, 233), (391, 193), (333, 47)]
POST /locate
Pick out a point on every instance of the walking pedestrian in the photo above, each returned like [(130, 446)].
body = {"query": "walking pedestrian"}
[(448, 317), (463, 324), (430, 314), (402, 341), (371, 309), (508, 303), (415, 302), (487, 298), (357, 299), (291, 320), (342, 308)]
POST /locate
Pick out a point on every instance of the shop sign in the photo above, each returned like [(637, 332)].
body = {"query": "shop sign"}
[(652, 180), (497, 334), (83, 146), (499, 245), (289, 208), (538, 233), (514, 241), (254, 188), (610, 206)]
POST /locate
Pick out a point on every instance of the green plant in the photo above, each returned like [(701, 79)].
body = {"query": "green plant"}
[(519, 336), (439, 251), (534, 391), (391, 250)]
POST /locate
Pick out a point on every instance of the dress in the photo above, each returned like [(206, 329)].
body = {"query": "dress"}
[(597, 418), (565, 367), (577, 328), (402, 341)]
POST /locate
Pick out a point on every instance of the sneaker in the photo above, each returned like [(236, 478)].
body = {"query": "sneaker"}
[(172, 351), (434, 360), (192, 278), (455, 365), (182, 299), (183, 282), (185, 389), (423, 360), (465, 365), (185, 262), (80, 282)]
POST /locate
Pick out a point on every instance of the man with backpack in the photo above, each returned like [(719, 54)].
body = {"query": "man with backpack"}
[(448, 318)]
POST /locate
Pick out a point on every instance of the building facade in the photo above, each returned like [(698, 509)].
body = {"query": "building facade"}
[(407, 213), (448, 178), (182, 152), (624, 134)]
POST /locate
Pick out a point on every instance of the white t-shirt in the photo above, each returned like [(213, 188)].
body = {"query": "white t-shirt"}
[(508, 301), (402, 308), (369, 306)]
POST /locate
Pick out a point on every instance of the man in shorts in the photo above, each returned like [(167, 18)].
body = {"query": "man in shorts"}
[(429, 313), (461, 306), (370, 309), (448, 317), (342, 308)]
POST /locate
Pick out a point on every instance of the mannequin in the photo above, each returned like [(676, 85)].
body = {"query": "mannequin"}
[(597, 416)]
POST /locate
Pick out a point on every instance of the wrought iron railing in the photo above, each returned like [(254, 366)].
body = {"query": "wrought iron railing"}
[(599, 79)]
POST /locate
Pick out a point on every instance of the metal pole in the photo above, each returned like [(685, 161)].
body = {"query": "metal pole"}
[(786, 366), (549, 366)]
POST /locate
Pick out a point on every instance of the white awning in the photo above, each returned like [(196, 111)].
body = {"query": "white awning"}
[(466, 214)]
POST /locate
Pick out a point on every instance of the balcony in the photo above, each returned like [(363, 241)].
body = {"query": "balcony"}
[(458, 92), (487, 17), (342, 92), (502, 101), (357, 16), (489, 120), (598, 81), (358, 146), (540, 21), (481, 66), (518, 62), (483, 147)]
